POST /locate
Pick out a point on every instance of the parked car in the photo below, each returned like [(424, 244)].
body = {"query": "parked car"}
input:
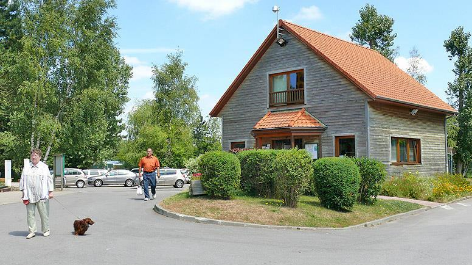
[(114, 177), (169, 177), (72, 177), (93, 172)]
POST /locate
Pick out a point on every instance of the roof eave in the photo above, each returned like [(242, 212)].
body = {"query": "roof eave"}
[(390, 100)]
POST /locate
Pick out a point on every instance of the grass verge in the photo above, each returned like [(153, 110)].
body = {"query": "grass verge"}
[(309, 212)]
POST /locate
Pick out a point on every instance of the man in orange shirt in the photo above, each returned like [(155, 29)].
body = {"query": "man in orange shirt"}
[(148, 166)]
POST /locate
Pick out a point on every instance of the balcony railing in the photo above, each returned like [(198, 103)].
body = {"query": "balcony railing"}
[(293, 96)]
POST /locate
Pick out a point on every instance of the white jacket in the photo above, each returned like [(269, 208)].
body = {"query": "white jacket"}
[(45, 182)]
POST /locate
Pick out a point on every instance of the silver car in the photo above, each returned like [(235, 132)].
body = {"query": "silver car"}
[(114, 177), (169, 177), (72, 177), (93, 172)]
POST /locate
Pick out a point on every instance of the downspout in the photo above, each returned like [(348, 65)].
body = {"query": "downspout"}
[(367, 123)]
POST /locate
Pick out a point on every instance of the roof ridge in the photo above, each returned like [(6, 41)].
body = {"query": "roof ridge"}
[(326, 35), (299, 114)]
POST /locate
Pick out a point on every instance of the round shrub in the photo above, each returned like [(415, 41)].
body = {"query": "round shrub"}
[(221, 174), (372, 176), (337, 182), (257, 172), (292, 174)]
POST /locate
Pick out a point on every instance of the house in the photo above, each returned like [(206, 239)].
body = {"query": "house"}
[(334, 98)]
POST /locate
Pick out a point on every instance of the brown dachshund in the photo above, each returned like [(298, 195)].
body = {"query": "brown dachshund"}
[(80, 226)]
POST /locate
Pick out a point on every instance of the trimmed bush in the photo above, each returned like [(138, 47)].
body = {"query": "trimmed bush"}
[(292, 174), (372, 176), (257, 172), (221, 174), (337, 182)]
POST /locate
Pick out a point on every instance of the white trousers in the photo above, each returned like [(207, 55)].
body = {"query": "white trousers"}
[(43, 210)]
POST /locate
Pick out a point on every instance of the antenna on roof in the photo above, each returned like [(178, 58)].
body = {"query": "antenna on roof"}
[(280, 41)]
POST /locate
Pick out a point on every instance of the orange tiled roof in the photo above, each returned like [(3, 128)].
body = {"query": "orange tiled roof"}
[(367, 69), (285, 119)]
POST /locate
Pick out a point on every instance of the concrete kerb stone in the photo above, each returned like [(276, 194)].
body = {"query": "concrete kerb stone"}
[(203, 220)]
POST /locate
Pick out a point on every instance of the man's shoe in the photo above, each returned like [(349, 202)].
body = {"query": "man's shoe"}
[(146, 199), (47, 233), (30, 235), (153, 196)]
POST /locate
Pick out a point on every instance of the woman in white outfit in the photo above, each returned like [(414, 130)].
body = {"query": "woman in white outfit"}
[(37, 187)]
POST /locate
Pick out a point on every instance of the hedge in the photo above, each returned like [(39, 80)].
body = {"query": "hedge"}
[(257, 172), (221, 174), (373, 174), (292, 174), (337, 182)]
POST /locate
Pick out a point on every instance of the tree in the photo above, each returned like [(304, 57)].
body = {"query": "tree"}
[(460, 93), (207, 135), (67, 83), (375, 31), (414, 66), (165, 123)]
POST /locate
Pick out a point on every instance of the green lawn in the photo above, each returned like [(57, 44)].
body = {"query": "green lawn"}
[(309, 212)]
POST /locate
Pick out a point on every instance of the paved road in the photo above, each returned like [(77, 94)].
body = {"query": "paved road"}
[(128, 231)]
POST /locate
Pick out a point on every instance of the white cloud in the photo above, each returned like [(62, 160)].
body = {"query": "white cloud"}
[(308, 13), (403, 64), (213, 8), (141, 70), (152, 50), (148, 95)]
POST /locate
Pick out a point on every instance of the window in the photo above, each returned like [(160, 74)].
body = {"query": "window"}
[(405, 151), (238, 145), (287, 88), (345, 146)]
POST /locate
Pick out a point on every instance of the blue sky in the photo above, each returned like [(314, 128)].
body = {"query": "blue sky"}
[(218, 37)]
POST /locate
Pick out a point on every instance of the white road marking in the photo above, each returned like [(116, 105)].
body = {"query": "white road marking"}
[(447, 207), (463, 204)]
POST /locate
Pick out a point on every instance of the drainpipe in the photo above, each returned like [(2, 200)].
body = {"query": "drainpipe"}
[(367, 123)]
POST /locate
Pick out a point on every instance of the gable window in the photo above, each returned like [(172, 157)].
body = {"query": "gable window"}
[(235, 145), (345, 146), (405, 151), (287, 88)]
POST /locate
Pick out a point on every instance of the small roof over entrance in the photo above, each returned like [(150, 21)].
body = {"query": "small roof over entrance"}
[(289, 124), (288, 119)]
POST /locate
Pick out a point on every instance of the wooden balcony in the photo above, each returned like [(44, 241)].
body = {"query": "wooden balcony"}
[(293, 96)]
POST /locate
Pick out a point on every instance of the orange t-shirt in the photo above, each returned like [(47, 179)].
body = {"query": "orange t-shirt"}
[(149, 164)]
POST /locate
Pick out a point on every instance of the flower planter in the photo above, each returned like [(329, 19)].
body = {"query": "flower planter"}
[(196, 188)]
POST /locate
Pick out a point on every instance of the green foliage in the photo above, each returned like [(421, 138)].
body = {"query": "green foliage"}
[(192, 164), (257, 171), (447, 187), (375, 31), (293, 171), (207, 135), (221, 174), (337, 182), (66, 82), (460, 92), (408, 185), (372, 176)]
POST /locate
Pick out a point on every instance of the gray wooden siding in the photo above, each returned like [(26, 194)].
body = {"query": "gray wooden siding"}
[(329, 96), (388, 121)]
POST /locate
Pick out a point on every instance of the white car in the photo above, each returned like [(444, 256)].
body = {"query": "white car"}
[(169, 177)]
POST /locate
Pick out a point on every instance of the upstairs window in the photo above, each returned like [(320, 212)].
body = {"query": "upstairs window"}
[(287, 88), (405, 151)]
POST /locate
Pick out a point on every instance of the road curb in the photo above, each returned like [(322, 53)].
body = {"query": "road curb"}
[(189, 218)]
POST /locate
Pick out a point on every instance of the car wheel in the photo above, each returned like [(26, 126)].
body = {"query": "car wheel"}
[(80, 184), (179, 183), (129, 183), (98, 183)]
